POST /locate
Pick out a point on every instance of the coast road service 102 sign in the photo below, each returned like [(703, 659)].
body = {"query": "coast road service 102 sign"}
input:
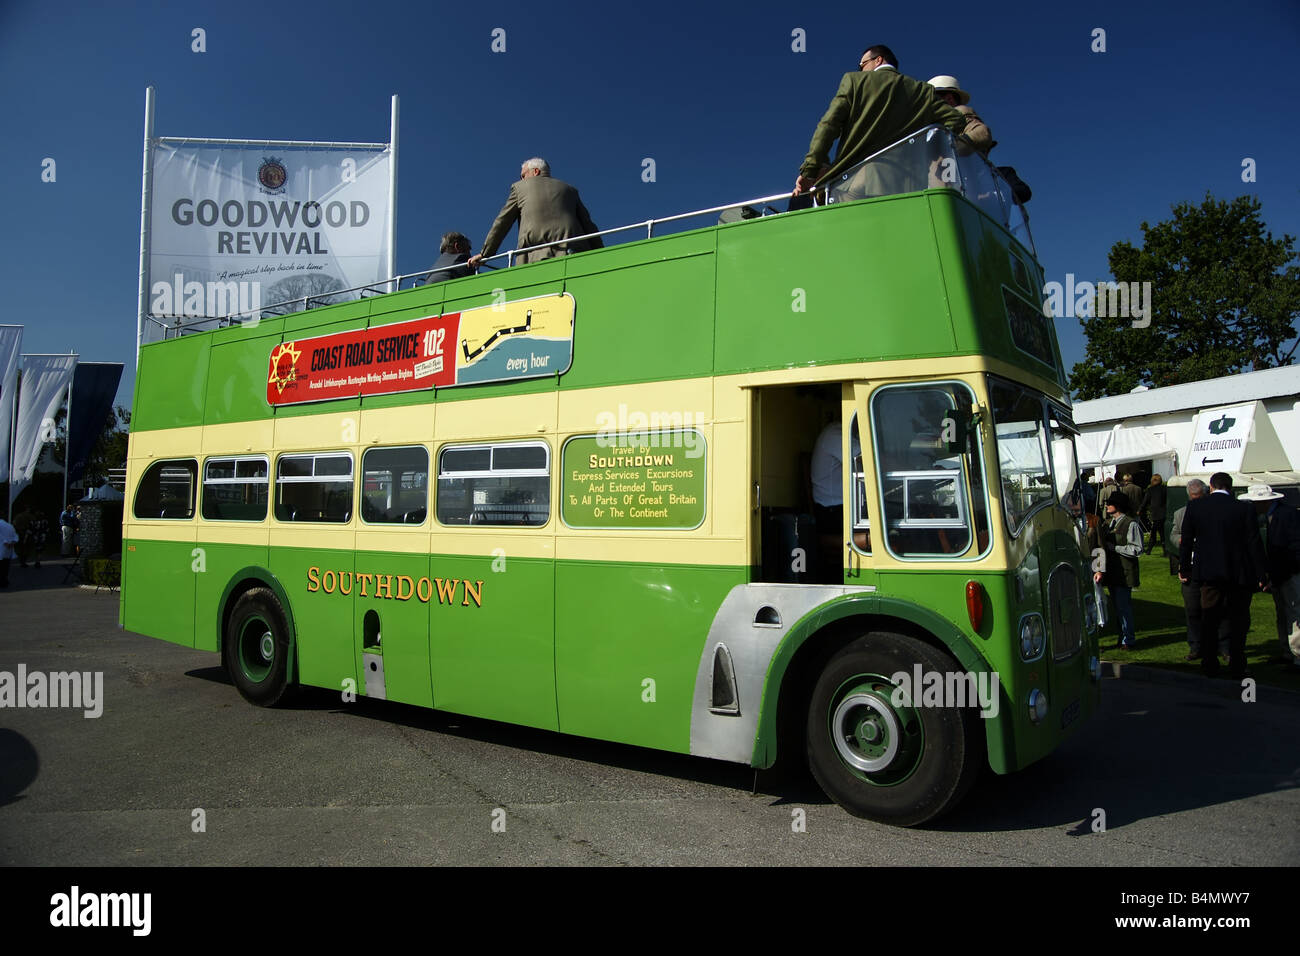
[(531, 338)]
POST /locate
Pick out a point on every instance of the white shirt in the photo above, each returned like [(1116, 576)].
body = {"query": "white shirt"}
[(8, 538), (827, 466)]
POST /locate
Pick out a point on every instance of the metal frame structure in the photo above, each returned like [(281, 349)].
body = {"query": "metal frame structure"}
[(146, 203)]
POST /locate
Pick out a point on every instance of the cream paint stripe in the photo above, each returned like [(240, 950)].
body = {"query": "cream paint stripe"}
[(161, 531), (500, 418)]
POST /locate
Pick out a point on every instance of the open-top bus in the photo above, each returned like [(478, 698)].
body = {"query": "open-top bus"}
[(574, 494)]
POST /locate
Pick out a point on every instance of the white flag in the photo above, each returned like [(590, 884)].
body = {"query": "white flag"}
[(45, 380), (11, 342)]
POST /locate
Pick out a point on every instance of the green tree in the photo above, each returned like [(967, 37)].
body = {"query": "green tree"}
[(1224, 296)]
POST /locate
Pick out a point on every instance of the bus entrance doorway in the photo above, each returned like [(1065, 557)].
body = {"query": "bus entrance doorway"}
[(798, 484)]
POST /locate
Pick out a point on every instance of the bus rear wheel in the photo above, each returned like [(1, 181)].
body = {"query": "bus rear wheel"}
[(256, 648), (878, 753)]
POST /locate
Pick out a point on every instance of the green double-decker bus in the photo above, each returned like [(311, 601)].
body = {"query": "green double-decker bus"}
[(579, 494)]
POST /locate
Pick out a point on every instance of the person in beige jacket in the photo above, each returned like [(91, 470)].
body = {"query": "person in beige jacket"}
[(950, 91), (547, 210)]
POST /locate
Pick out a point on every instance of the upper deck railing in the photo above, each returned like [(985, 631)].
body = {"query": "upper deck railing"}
[(929, 158)]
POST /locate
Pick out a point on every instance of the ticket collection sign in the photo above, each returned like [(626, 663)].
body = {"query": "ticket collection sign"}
[(653, 480), (530, 338)]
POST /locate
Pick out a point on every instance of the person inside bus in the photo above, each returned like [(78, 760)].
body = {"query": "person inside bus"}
[(826, 472), (453, 254)]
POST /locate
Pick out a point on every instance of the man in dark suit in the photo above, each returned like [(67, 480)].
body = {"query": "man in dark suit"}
[(452, 259), (547, 210), (1282, 553), (1222, 551)]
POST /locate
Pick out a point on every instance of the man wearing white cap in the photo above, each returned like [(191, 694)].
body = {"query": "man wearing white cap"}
[(1282, 552), (950, 91)]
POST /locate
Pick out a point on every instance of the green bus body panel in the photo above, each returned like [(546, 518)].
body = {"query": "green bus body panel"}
[(896, 277), (619, 626), (403, 624), (345, 315), (237, 379), (838, 286), (496, 661), (667, 334), (171, 383), (326, 655), (224, 565), (161, 568), (972, 246)]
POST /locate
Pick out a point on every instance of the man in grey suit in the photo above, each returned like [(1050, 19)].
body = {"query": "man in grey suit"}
[(547, 210)]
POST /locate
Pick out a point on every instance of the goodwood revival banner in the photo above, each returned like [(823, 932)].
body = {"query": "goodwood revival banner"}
[(236, 228)]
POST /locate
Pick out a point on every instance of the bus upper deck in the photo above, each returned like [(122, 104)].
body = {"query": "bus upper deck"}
[(917, 272)]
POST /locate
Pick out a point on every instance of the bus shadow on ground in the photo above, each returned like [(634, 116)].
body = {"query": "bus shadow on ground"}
[(1144, 755), (735, 778), (51, 575)]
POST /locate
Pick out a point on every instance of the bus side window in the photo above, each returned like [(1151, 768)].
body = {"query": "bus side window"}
[(508, 484), (235, 489), (167, 490), (314, 488), (395, 485)]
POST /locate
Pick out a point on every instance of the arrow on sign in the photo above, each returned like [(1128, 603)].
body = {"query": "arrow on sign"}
[(1211, 461)]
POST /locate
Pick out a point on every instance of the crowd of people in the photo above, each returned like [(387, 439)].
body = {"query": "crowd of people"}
[(1221, 562), (874, 107)]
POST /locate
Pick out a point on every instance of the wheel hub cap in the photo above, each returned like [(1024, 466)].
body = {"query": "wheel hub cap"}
[(866, 732)]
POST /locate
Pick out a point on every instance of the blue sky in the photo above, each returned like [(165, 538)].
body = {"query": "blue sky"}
[(711, 91)]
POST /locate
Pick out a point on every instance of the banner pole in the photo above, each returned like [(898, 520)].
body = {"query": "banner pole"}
[(392, 197), (146, 188), (13, 441), (67, 443)]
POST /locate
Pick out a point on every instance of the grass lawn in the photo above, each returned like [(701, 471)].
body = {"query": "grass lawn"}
[(1162, 629)]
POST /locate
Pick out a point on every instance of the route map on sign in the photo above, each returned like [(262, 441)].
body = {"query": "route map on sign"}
[(530, 338)]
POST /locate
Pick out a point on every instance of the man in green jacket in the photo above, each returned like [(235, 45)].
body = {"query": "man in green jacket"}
[(872, 108)]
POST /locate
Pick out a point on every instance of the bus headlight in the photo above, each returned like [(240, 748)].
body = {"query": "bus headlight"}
[(1037, 705), (1033, 636)]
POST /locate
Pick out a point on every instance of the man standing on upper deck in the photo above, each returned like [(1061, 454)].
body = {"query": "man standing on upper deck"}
[(547, 210), (950, 91), (872, 108)]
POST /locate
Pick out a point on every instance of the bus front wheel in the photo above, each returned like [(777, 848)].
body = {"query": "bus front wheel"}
[(872, 745), (256, 647)]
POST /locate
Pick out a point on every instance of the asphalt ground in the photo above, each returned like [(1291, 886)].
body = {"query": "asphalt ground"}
[(1184, 774)]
